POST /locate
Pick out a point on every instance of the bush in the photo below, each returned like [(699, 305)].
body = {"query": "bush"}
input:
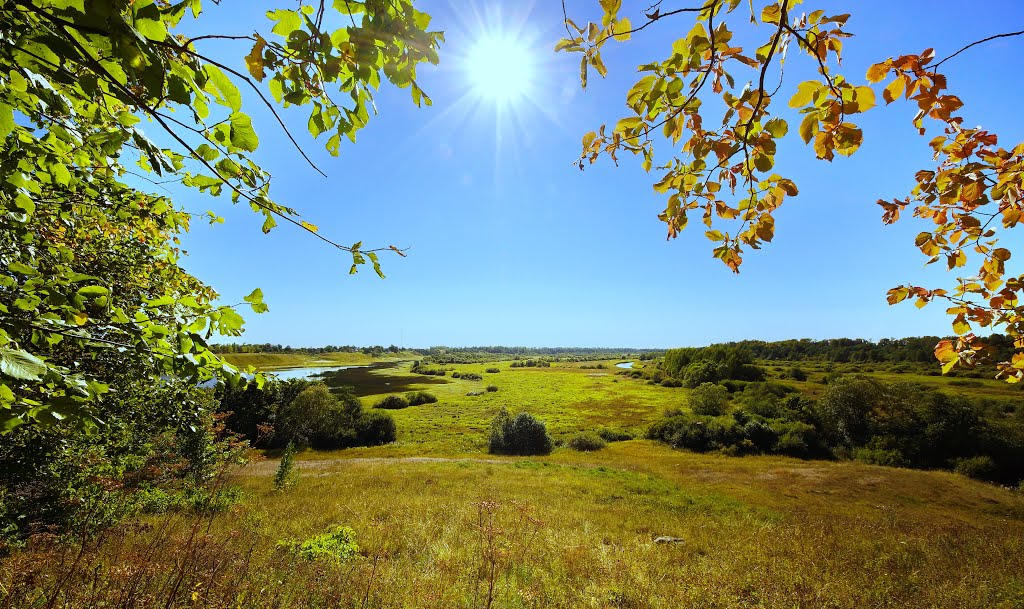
[(326, 421), (376, 428), (670, 382), (701, 372), (493, 370), (697, 433), (979, 468), (337, 545), (421, 397), (285, 474), (429, 371), (614, 435), (519, 435), (492, 388), (586, 442), (796, 373), (880, 456), (798, 439), (709, 399), (319, 419), (392, 402)]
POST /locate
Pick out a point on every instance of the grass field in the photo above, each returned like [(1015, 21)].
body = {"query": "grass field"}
[(440, 523), (568, 399)]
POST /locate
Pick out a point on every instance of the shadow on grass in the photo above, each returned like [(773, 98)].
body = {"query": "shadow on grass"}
[(369, 380)]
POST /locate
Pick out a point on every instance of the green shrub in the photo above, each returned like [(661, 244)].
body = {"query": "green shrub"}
[(614, 435), (671, 382), (586, 442), (796, 373), (429, 371), (376, 428), (337, 545), (493, 370), (421, 397), (285, 474), (161, 500), (697, 433), (979, 468), (492, 388), (326, 421), (709, 399), (880, 456), (320, 419), (392, 402), (519, 435)]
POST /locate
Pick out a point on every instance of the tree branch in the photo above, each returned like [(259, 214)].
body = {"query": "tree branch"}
[(977, 42)]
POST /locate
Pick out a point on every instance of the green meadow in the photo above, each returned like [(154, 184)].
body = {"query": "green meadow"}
[(438, 522)]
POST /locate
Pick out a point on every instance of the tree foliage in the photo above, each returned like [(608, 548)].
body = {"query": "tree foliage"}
[(90, 271), (723, 164)]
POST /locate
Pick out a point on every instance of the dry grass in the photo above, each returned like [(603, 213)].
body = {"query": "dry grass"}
[(578, 531), (440, 524)]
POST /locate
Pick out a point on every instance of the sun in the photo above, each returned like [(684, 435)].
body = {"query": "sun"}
[(500, 69)]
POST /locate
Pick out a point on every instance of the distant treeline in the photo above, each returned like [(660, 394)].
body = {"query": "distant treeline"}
[(470, 355), (271, 348), (914, 349), (455, 355)]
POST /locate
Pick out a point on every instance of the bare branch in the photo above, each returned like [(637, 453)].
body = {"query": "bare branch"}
[(977, 42)]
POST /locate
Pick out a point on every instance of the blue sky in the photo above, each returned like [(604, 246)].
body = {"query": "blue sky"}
[(511, 244)]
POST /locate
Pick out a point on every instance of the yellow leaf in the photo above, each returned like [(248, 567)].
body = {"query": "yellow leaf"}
[(808, 127), (894, 90), (622, 29), (805, 93), (877, 72), (865, 99)]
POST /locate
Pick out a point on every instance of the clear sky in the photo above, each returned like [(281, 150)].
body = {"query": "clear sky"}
[(511, 244)]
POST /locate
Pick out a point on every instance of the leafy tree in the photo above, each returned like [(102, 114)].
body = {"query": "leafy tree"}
[(90, 278), (709, 399), (722, 167)]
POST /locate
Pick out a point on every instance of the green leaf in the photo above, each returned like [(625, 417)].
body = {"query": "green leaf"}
[(256, 296), (22, 365), (222, 88), (148, 20), (6, 120), (242, 134), (93, 291), (777, 127), (287, 21)]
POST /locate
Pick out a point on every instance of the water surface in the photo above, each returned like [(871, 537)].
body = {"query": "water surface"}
[(306, 373)]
